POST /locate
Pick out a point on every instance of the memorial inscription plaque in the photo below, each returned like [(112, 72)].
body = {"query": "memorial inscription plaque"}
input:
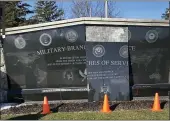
[(47, 59), (150, 60), (107, 70)]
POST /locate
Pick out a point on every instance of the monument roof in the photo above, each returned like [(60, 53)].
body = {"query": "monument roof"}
[(87, 21)]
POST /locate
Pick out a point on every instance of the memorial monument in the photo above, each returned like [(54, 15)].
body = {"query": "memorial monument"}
[(87, 57)]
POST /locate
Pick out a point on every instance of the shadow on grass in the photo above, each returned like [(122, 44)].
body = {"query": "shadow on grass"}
[(35, 116), (113, 107), (55, 110), (162, 104)]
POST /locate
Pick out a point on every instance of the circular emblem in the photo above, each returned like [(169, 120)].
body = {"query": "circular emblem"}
[(98, 50), (129, 35), (123, 52), (68, 75), (45, 39), (151, 36), (71, 36), (19, 42)]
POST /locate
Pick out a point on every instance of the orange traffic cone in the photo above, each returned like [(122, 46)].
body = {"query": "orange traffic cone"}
[(106, 107), (46, 107), (156, 105)]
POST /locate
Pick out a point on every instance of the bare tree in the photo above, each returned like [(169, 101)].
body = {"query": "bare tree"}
[(112, 10), (86, 8), (81, 9)]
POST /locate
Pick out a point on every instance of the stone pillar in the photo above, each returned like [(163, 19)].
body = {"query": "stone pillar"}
[(3, 78)]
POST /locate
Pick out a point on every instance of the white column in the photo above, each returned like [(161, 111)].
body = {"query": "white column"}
[(106, 9)]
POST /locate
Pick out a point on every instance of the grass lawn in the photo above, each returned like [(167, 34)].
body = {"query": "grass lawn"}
[(115, 115)]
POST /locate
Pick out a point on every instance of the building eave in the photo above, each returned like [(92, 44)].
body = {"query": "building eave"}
[(86, 21)]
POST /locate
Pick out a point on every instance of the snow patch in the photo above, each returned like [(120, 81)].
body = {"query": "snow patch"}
[(5, 106)]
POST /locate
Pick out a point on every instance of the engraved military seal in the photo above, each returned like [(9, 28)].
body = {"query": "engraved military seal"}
[(151, 36), (123, 52), (45, 39), (98, 51), (71, 36), (20, 42)]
